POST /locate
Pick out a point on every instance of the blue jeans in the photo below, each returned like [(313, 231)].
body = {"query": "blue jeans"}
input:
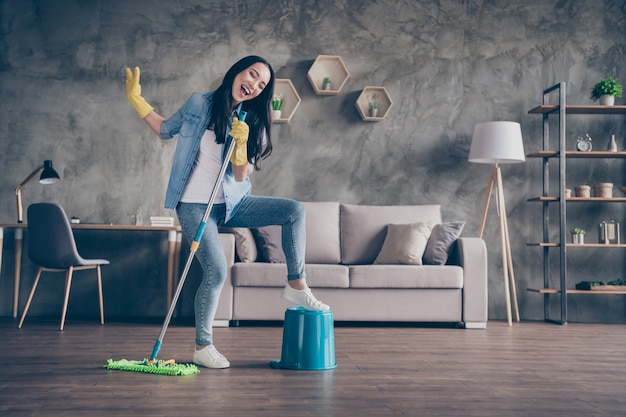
[(253, 211)]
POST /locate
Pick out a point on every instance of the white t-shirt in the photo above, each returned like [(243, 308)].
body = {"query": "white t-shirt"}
[(204, 172)]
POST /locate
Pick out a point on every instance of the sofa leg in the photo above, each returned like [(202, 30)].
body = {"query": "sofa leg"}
[(475, 324)]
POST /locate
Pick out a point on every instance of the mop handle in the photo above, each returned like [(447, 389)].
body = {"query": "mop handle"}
[(196, 242)]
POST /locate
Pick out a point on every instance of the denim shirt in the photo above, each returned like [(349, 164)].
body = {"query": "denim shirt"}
[(189, 123)]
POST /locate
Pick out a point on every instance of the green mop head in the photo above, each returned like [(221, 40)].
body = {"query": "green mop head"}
[(160, 367)]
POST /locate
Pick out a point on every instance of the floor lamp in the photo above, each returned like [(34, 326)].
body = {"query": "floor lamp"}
[(499, 143)]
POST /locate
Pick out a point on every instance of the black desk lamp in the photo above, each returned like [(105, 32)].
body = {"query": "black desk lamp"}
[(48, 176)]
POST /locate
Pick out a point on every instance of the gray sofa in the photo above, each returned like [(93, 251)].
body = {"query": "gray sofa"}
[(343, 244)]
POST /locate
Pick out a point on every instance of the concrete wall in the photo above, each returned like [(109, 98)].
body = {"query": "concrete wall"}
[(447, 65)]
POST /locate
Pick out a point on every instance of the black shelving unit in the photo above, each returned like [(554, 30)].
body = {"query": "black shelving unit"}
[(559, 154)]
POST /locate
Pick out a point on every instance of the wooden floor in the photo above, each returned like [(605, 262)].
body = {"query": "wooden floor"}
[(530, 369)]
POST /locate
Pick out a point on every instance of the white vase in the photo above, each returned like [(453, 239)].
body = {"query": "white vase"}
[(612, 145), (276, 114), (607, 100), (578, 239), (373, 112)]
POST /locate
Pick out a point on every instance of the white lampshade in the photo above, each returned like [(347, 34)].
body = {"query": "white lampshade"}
[(497, 143)]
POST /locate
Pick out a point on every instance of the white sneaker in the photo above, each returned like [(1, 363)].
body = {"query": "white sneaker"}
[(209, 357), (303, 298)]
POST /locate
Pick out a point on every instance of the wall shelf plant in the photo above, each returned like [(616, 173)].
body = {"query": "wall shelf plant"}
[(328, 68), (373, 104), (285, 91)]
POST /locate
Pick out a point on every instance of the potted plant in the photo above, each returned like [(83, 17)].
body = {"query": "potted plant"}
[(277, 105), (606, 90), (600, 285), (326, 83), (578, 235), (372, 105)]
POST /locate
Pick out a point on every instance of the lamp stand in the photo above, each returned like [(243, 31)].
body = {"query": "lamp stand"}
[(18, 193), (507, 260)]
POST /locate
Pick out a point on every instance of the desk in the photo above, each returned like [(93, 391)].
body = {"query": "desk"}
[(174, 238)]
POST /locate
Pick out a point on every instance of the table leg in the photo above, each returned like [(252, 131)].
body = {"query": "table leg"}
[(179, 238), (171, 257), (16, 272)]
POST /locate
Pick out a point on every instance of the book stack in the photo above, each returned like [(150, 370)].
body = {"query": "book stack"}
[(161, 221)]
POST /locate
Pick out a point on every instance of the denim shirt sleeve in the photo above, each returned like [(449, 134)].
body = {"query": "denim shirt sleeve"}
[(171, 126)]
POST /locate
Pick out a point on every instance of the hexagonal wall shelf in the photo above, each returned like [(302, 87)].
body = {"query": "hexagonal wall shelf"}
[(376, 95), (330, 66), (291, 99)]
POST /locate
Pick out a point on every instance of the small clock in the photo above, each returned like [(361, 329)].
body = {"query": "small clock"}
[(583, 144)]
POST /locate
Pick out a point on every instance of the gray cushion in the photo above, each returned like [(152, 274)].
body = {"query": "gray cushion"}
[(245, 244), (406, 276), (269, 245), (404, 244), (440, 242), (275, 275)]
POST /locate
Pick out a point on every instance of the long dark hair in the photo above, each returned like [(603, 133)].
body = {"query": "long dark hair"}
[(258, 118)]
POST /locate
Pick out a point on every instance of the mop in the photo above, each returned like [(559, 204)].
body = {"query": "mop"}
[(170, 367)]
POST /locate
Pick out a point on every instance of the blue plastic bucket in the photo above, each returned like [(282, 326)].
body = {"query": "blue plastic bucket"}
[(308, 340)]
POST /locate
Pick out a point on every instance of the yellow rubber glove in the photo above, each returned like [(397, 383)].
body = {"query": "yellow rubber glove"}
[(133, 92), (239, 131)]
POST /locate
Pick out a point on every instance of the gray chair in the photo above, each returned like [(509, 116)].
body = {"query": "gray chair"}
[(52, 247)]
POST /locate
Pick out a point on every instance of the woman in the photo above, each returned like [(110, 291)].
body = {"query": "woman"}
[(202, 125)]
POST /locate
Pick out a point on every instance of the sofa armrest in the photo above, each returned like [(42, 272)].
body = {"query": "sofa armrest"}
[(470, 253)]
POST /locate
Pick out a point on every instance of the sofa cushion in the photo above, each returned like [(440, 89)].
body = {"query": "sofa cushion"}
[(268, 243), (363, 227), (275, 275), (322, 233), (440, 242), (406, 276), (245, 244), (404, 243)]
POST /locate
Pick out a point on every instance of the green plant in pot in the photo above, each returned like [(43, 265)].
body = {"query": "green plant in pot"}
[(277, 102), (578, 235), (372, 105), (326, 83), (277, 105), (606, 90)]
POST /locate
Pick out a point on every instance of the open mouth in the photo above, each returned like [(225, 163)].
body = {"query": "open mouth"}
[(245, 90)]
